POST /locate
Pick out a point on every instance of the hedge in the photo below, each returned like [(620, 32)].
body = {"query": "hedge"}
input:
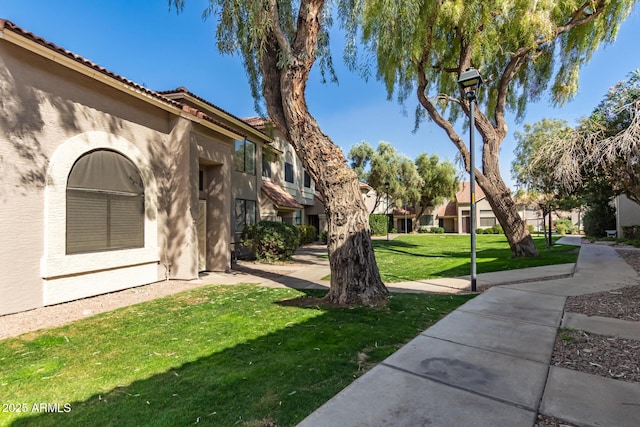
[(271, 241)]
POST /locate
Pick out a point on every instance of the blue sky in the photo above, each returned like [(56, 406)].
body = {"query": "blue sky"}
[(146, 42)]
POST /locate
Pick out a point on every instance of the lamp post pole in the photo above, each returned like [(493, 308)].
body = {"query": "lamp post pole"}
[(470, 80), (471, 96), (386, 185)]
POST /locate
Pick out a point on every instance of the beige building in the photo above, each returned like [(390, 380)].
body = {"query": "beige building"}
[(106, 184), (627, 213), (455, 215), (288, 192)]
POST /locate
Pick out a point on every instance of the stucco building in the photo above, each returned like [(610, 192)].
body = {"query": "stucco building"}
[(106, 185)]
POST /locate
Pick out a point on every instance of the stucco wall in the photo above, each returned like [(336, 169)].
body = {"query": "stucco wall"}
[(44, 106), (215, 157), (628, 213)]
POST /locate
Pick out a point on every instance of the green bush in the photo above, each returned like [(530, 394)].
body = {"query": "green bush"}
[(530, 228), (564, 226), (378, 224), (480, 230), (393, 230), (423, 229), (497, 229), (598, 218), (308, 234), (271, 241), (437, 230), (631, 232), (324, 237)]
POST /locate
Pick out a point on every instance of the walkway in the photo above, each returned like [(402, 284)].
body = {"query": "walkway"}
[(488, 363)]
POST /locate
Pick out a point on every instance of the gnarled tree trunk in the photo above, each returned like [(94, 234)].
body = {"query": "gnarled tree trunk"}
[(505, 209), (355, 278)]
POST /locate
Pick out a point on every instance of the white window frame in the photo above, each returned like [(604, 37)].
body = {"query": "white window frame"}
[(55, 262)]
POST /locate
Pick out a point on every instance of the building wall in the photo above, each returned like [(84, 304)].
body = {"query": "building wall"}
[(47, 108), (52, 116), (215, 159), (628, 213)]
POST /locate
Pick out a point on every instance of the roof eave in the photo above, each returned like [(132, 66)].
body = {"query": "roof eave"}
[(78, 65)]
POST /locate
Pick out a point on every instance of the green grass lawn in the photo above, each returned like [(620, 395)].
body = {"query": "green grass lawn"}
[(217, 355), (425, 256)]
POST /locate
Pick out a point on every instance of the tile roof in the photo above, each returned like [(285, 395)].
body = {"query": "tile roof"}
[(448, 210), (256, 122), (464, 193), (279, 196), (184, 90), (10, 26), (401, 211)]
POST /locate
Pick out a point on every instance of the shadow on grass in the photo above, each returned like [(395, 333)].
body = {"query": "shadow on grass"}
[(276, 379)]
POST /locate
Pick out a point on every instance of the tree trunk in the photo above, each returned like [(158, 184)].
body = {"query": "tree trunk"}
[(355, 278), (499, 197), (550, 231), (544, 227)]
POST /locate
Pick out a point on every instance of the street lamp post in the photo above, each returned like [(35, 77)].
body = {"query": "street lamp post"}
[(386, 186), (469, 81)]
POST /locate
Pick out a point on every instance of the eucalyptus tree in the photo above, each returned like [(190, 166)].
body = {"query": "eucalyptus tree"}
[(440, 182), (537, 177), (386, 171), (279, 42), (604, 146), (522, 48)]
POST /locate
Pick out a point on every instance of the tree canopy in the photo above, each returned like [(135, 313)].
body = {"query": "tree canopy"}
[(383, 165), (532, 175), (522, 49), (421, 184), (604, 146)]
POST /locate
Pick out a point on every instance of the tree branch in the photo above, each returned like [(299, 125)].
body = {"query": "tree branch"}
[(435, 115), (522, 56), (276, 29)]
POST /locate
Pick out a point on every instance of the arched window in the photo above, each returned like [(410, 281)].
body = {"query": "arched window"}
[(105, 204)]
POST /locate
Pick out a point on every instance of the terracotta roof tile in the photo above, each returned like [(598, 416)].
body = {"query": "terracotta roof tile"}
[(401, 211), (279, 196), (464, 193), (8, 25), (183, 89), (257, 122), (448, 210)]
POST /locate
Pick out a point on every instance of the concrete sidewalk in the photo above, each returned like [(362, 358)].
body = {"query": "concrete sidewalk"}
[(488, 363)]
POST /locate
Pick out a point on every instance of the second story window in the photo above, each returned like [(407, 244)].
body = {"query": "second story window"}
[(245, 157), (307, 180), (266, 168), (288, 169)]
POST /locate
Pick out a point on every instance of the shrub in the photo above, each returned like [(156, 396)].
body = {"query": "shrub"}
[(324, 237), (378, 224), (423, 229), (631, 231), (438, 230), (308, 234), (393, 230), (497, 229), (480, 231), (565, 226), (530, 228), (598, 218), (271, 241)]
